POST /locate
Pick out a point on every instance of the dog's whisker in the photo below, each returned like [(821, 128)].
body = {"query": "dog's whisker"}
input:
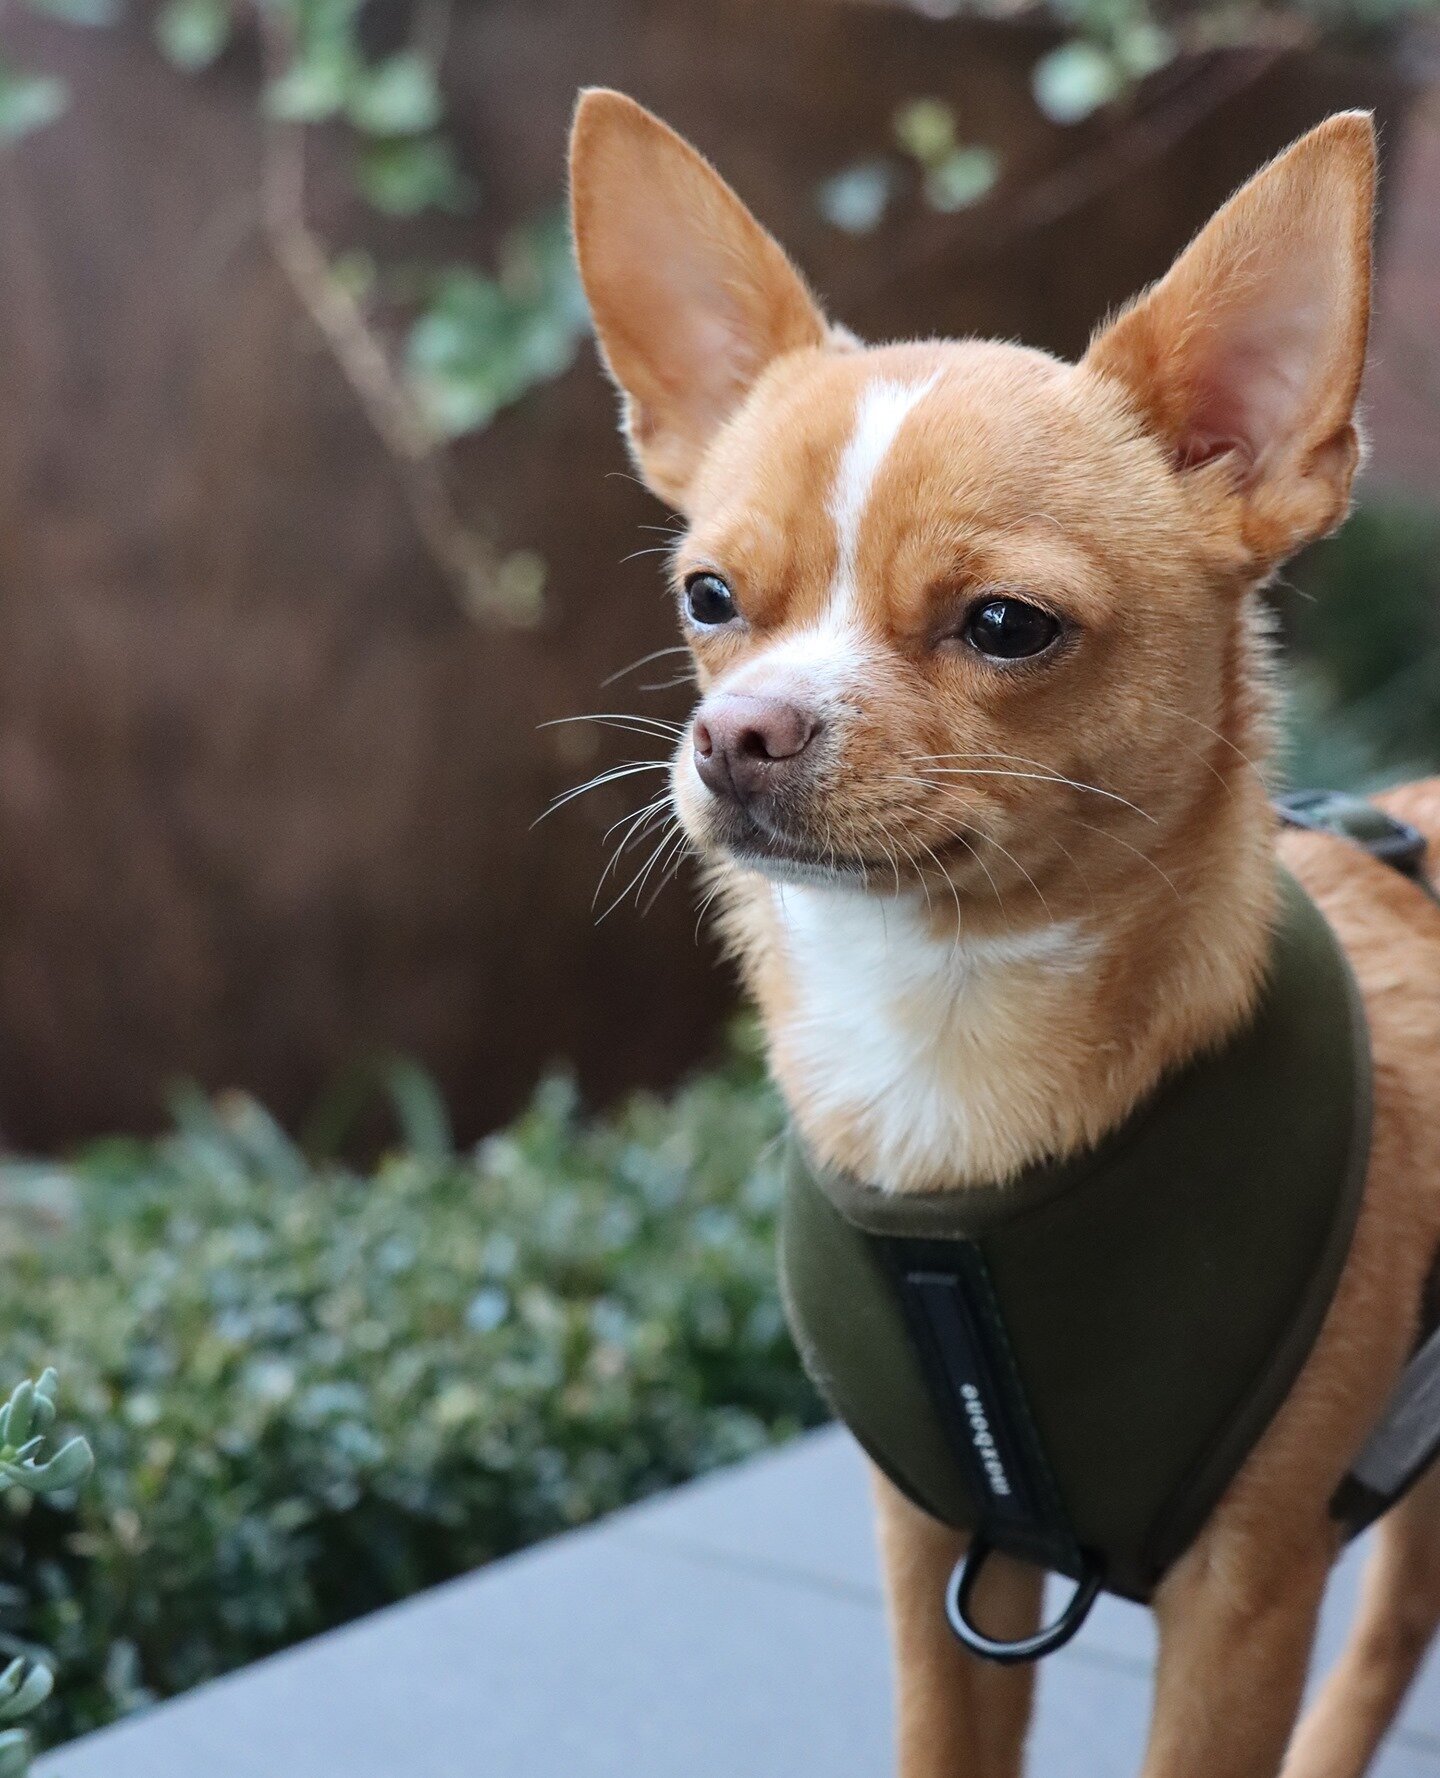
[(961, 839), (612, 775), (887, 842), (620, 896), (1005, 852), (656, 654), (649, 549), (1042, 778), (620, 719), (1074, 864), (637, 882), (672, 870), (685, 678), (650, 808), (1119, 841), (639, 827), (1224, 740), (710, 896), (950, 885)]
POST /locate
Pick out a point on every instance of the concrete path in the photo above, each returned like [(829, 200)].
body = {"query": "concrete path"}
[(733, 1626)]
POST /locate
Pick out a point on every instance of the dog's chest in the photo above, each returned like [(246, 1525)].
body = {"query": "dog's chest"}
[(926, 1051)]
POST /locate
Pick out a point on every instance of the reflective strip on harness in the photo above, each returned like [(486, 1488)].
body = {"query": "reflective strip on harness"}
[(956, 1324)]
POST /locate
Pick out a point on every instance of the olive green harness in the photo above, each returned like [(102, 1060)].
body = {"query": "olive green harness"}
[(1074, 1365)]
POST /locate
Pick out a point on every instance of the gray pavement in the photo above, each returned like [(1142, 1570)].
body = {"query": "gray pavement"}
[(733, 1626)]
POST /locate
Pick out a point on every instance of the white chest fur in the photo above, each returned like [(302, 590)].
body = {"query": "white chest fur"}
[(926, 1051)]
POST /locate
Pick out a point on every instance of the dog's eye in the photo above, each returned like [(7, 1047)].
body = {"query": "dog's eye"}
[(1009, 629), (709, 599)]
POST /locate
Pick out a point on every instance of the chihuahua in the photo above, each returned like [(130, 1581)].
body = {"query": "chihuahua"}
[(987, 697)]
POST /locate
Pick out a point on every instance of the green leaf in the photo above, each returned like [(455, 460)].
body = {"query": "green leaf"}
[(19, 1413), (856, 199), (316, 85), (1143, 46), (424, 1121), (193, 33), (925, 128), (1075, 80), (26, 1691), (482, 342), (410, 174), (961, 179), (66, 1469), (517, 595), (28, 102), (398, 97)]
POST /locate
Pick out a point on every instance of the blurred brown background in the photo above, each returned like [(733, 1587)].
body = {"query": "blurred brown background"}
[(266, 789)]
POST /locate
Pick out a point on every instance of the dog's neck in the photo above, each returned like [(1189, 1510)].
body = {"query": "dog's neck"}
[(921, 1058)]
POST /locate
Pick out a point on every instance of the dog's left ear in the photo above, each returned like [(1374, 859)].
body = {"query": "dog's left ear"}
[(1252, 345), (692, 299)]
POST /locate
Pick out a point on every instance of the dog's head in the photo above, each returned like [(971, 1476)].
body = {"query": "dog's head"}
[(957, 604)]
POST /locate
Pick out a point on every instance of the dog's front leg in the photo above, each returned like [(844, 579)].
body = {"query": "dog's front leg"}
[(958, 1717), (1236, 1632)]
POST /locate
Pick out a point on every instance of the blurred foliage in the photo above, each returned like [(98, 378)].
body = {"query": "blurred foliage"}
[(1363, 616), (481, 342), (1107, 48), (473, 342), (929, 154), (1110, 45), (955, 174), (314, 1390)]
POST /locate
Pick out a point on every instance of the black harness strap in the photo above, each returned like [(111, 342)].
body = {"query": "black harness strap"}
[(1400, 1449), (1407, 1440), (1364, 824), (959, 1332)]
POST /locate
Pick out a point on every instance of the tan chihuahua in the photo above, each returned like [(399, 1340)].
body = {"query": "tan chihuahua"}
[(987, 697)]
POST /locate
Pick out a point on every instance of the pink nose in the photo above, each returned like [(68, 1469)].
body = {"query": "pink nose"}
[(744, 746)]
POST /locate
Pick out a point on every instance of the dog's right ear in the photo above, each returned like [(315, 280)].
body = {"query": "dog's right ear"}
[(1249, 351), (691, 298)]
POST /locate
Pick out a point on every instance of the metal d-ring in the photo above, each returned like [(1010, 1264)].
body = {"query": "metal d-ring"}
[(961, 1590)]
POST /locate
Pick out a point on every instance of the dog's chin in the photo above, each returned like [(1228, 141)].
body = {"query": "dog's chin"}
[(737, 838), (832, 874)]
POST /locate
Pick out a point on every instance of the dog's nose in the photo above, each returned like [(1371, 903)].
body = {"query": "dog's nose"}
[(744, 745)]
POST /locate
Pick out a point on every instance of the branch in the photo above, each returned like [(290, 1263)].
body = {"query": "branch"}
[(466, 559)]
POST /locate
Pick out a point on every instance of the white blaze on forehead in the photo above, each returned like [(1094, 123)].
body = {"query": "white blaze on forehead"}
[(822, 662), (879, 415)]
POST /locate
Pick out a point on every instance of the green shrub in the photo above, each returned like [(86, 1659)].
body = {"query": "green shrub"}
[(1363, 617), (312, 1391)]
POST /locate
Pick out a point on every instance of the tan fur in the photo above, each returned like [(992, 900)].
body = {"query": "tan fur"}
[(1075, 851)]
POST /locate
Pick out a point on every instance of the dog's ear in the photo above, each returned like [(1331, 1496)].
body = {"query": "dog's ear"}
[(1252, 345), (691, 298)]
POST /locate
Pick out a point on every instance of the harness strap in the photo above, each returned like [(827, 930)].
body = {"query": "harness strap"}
[(1400, 1449), (955, 1321), (1407, 1439), (1364, 824)]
